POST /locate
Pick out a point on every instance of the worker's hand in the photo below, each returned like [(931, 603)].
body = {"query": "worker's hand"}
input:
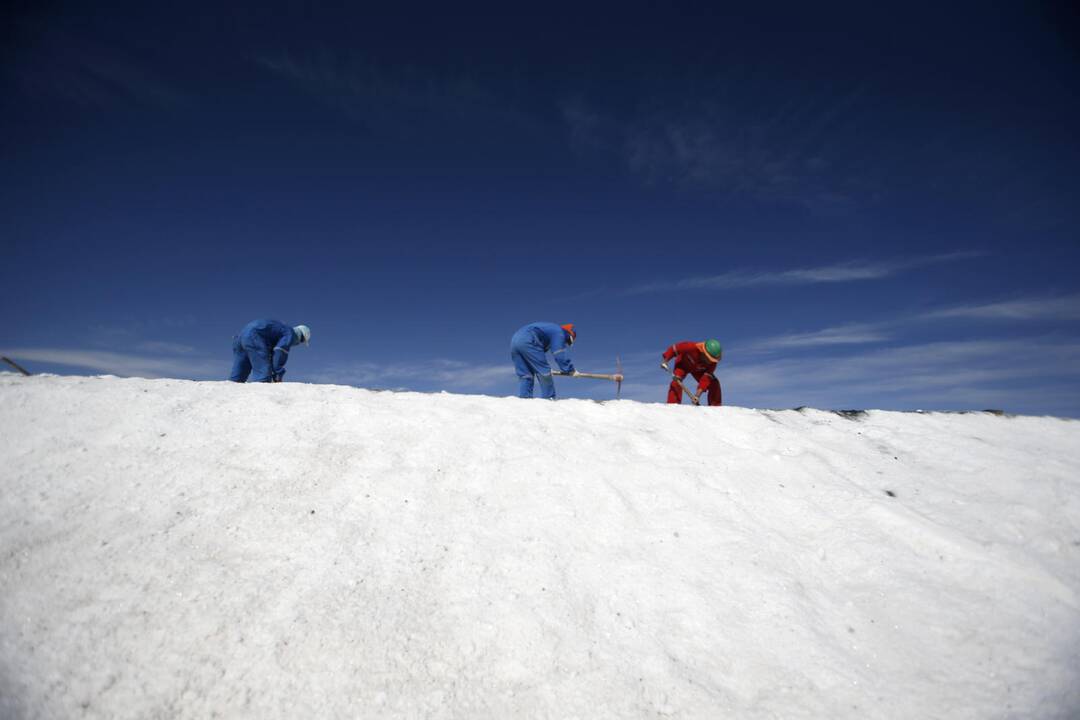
[(574, 373), (665, 366)]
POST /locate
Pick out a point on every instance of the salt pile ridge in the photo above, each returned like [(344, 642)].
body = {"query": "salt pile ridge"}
[(190, 549)]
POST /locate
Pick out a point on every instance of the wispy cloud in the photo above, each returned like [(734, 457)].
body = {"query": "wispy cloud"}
[(58, 64), (1059, 308), (124, 364), (774, 153), (851, 271), (853, 334), (968, 371), (587, 128), (439, 373), (1041, 308), (1025, 375), (838, 366), (394, 101), (164, 348)]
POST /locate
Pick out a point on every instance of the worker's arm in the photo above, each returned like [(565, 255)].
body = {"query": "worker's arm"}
[(560, 351), (281, 354)]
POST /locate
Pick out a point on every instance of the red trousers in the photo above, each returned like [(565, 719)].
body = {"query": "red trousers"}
[(705, 382)]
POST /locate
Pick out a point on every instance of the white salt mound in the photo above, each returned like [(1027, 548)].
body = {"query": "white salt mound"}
[(197, 549)]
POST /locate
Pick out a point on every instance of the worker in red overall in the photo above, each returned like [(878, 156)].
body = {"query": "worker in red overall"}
[(699, 360)]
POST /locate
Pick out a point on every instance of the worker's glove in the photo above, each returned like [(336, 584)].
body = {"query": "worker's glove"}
[(574, 373), (665, 366)]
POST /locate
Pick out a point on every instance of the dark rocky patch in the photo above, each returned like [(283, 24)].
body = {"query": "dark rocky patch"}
[(854, 415)]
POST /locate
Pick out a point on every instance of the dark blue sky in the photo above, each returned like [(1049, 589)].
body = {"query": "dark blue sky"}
[(868, 205)]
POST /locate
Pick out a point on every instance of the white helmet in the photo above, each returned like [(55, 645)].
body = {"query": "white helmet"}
[(303, 333)]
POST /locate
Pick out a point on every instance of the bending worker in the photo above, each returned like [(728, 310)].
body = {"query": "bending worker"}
[(262, 349), (529, 348), (698, 360)]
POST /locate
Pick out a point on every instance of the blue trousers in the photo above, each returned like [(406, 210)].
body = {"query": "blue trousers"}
[(530, 361), (251, 358)]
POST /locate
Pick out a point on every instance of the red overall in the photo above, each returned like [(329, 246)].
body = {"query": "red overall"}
[(692, 360)]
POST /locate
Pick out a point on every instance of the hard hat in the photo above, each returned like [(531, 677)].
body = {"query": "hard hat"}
[(569, 328), (303, 333), (713, 350)]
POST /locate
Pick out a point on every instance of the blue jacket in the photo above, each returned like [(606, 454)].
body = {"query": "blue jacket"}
[(547, 337), (275, 336)]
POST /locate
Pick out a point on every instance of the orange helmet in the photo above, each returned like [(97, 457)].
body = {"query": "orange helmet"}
[(569, 328)]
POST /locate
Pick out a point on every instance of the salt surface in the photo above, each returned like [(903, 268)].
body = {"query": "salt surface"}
[(185, 549)]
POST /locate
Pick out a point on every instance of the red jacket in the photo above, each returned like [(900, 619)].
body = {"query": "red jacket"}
[(692, 358)]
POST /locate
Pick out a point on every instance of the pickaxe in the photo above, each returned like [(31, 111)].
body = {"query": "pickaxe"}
[(617, 376), (675, 378)]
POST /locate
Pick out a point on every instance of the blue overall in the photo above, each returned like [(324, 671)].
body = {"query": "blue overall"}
[(261, 351), (528, 350)]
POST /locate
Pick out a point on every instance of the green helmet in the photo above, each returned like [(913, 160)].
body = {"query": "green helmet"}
[(712, 347)]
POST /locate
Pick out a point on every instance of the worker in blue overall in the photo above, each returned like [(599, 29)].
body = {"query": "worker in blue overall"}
[(261, 350), (529, 348)]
